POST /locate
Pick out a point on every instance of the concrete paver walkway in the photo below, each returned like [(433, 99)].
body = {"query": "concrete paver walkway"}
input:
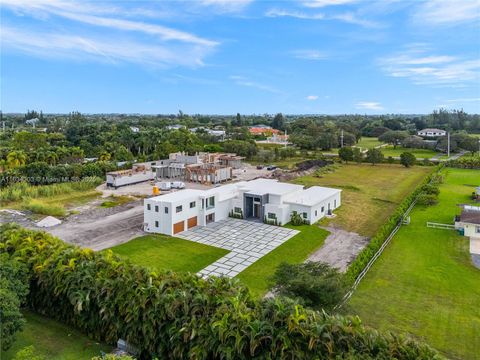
[(247, 241)]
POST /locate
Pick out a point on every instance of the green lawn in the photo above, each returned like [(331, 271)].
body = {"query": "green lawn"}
[(369, 193), (424, 283), (419, 153), (53, 340), (294, 250), (369, 142), (162, 252)]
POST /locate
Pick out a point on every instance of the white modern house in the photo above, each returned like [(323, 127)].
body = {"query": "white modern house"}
[(256, 200), (468, 222), (431, 132)]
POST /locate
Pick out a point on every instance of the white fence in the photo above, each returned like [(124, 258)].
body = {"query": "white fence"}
[(440, 226)]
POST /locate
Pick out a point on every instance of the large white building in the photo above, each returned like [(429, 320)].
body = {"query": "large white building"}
[(260, 199), (432, 132)]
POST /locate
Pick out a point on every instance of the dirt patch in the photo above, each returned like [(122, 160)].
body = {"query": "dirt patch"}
[(340, 248)]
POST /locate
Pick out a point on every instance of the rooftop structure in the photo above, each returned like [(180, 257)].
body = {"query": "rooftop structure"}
[(432, 132)]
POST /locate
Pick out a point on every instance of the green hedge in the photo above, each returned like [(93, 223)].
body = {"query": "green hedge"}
[(467, 162), (357, 266), (181, 316)]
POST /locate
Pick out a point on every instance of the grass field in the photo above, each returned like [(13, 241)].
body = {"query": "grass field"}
[(419, 153), (294, 250), (370, 193), (424, 283), (53, 340), (368, 142), (161, 252)]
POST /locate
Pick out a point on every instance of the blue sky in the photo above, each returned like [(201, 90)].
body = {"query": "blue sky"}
[(247, 56)]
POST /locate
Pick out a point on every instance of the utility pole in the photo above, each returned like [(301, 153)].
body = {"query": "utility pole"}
[(286, 138), (341, 139), (448, 144)]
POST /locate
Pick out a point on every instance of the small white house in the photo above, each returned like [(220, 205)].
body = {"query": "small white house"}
[(258, 200), (431, 132), (469, 223)]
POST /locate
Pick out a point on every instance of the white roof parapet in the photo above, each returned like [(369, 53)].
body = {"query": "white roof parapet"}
[(313, 195)]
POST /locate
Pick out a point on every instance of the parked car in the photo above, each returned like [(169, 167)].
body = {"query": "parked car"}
[(259, 167), (164, 186), (271, 167), (177, 185)]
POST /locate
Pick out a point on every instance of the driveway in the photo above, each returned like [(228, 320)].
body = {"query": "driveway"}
[(247, 241)]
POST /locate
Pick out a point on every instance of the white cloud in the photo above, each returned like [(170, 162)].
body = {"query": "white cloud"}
[(350, 18), (368, 105), (72, 46), (324, 3), (447, 12), (464, 100), (244, 81), (226, 6), (159, 45), (312, 97), (424, 68), (309, 54)]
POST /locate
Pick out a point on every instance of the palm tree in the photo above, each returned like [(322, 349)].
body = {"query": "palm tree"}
[(105, 156), (16, 159), (51, 157)]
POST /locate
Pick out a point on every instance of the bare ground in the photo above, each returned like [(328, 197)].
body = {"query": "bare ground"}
[(340, 248)]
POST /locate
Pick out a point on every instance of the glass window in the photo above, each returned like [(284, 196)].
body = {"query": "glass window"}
[(272, 216), (315, 212), (156, 208), (477, 229), (237, 210), (156, 223), (210, 202), (178, 209), (193, 204), (149, 207), (166, 210), (304, 215), (323, 208)]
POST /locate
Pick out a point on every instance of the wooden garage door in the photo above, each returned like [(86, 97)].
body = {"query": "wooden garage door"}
[(178, 227), (192, 222)]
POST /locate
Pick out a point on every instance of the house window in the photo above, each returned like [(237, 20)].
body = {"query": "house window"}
[(323, 208), (178, 208), (149, 207), (304, 215), (210, 202), (315, 212), (156, 208), (237, 210), (166, 210), (477, 229), (272, 216), (156, 223), (193, 204)]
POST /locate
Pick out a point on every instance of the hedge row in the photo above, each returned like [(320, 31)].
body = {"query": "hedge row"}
[(357, 266), (472, 162), (181, 316)]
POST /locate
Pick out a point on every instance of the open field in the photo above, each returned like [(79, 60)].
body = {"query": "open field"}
[(161, 252), (294, 250), (370, 193), (424, 283), (419, 153), (368, 142), (53, 340)]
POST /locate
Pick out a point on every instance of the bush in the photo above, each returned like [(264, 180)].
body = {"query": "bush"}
[(179, 316), (296, 219), (28, 353), (316, 285), (427, 199), (465, 162), (431, 189), (407, 159)]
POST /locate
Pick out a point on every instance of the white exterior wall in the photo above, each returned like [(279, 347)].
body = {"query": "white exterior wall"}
[(281, 211), (129, 179), (315, 213), (471, 230)]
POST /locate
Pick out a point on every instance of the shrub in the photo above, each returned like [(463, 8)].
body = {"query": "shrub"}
[(427, 199), (179, 316), (28, 353), (317, 285), (407, 159), (390, 160), (431, 189), (296, 219)]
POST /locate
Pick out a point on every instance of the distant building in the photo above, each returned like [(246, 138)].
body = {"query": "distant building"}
[(262, 130), (134, 129), (216, 133), (432, 132), (468, 222), (32, 122), (175, 127)]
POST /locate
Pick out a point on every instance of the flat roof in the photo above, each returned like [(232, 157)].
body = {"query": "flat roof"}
[(178, 195), (270, 186), (313, 195)]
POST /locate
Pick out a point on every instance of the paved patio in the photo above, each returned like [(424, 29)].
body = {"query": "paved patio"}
[(247, 241)]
